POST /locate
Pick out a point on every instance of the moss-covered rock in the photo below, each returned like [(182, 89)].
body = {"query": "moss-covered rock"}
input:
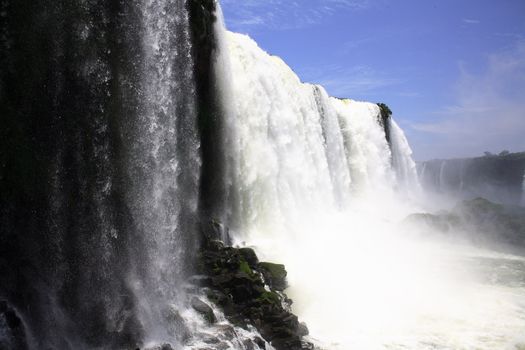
[(385, 113), (250, 292), (274, 274)]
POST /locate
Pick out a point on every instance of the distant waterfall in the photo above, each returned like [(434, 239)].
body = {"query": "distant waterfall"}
[(497, 178)]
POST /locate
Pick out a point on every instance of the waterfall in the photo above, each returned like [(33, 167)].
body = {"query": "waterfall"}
[(319, 188), (404, 165), (105, 166), (164, 160), (299, 150), (309, 173)]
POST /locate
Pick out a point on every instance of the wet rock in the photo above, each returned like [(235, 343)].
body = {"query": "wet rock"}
[(204, 309), (250, 293), (164, 346), (209, 339), (249, 255), (303, 329), (226, 331), (178, 327), (275, 275), (259, 342)]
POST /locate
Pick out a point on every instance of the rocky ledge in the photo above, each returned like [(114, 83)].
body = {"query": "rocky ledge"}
[(478, 220), (249, 292)]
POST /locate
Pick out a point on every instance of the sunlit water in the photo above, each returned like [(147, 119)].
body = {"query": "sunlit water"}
[(363, 283)]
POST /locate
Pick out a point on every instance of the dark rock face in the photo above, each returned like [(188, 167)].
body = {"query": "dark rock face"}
[(250, 293), (274, 275), (383, 119), (213, 188)]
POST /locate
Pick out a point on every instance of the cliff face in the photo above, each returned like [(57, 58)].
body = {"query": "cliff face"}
[(498, 178), (384, 116)]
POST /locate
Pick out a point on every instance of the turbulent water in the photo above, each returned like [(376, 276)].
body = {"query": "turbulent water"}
[(113, 165)]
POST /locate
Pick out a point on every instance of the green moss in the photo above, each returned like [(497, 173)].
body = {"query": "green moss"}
[(268, 298), (244, 267), (277, 271)]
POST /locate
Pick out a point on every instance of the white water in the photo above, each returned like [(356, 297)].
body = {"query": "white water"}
[(402, 162), (165, 165), (318, 192)]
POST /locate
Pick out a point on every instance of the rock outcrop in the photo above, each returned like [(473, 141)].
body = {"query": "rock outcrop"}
[(478, 220), (250, 292)]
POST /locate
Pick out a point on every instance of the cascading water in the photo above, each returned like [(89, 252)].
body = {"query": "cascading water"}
[(164, 161), (402, 162), (113, 185), (316, 183)]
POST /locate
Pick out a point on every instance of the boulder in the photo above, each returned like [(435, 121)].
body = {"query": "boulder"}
[(204, 309), (275, 275)]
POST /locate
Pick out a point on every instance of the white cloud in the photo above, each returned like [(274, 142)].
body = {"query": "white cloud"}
[(246, 15), (471, 21), (351, 82), (489, 114)]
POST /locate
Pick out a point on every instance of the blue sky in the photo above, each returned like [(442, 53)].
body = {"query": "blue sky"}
[(452, 71)]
